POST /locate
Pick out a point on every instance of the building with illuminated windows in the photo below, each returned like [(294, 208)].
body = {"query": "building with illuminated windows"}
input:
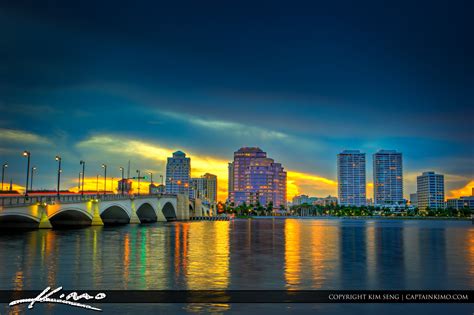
[(388, 177), (351, 182), (204, 187), (430, 191), (466, 202), (178, 173), (256, 179)]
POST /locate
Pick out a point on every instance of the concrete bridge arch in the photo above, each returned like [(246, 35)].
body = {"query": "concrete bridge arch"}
[(70, 215)]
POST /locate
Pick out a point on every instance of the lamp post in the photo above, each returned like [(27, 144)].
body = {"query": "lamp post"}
[(151, 177), (79, 182), (58, 158), (161, 177), (83, 163), (105, 177), (122, 182), (33, 169), (28, 155), (4, 166), (138, 172)]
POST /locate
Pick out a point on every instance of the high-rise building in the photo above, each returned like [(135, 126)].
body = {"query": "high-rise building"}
[(178, 171), (351, 181), (205, 187), (430, 190), (256, 179), (230, 184), (388, 177)]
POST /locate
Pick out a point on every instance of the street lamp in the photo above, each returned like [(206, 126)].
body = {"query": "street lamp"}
[(138, 172), (58, 158), (79, 182), (161, 177), (105, 177), (151, 177), (122, 182), (33, 169), (28, 155), (83, 163), (4, 166)]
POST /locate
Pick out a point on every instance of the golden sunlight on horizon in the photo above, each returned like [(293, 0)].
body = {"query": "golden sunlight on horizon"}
[(111, 146), (461, 192), (297, 182)]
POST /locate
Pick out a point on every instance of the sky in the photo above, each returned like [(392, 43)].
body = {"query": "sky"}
[(108, 82)]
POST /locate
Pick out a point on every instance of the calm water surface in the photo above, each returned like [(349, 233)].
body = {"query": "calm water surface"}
[(245, 254)]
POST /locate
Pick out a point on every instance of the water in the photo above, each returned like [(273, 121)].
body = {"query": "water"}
[(245, 254)]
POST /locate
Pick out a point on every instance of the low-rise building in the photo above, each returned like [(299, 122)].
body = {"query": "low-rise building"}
[(460, 203)]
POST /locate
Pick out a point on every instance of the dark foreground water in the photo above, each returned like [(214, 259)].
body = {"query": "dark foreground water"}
[(245, 254)]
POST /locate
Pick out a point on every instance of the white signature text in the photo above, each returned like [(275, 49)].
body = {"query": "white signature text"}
[(71, 299)]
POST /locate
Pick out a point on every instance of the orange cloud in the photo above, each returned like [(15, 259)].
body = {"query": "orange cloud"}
[(19, 188), (463, 191), (309, 184), (297, 182)]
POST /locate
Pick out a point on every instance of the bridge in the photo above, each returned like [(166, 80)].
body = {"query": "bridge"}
[(88, 210)]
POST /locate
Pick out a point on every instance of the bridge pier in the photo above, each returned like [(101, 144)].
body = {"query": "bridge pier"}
[(198, 207), (182, 205), (44, 222), (96, 219), (133, 214)]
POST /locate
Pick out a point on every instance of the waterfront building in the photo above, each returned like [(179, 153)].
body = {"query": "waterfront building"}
[(316, 201), (430, 190), (461, 203), (351, 178), (178, 171), (326, 201), (301, 199), (388, 177), (256, 179), (204, 187)]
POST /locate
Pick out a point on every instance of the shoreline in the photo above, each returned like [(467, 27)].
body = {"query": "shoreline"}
[(360, 218)]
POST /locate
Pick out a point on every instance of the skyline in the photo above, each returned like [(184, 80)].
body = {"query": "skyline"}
[(304, 83), (90, 182)]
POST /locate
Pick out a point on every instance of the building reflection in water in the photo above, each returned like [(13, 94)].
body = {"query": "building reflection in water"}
[(292, 254), (311, 253), (432, 244), (207, 255), (205, 260), (371, 255), (391, 271), (469, 241), (411, 253), (352, 254)]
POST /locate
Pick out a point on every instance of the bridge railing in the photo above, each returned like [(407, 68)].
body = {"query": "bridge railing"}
[(12, 201)]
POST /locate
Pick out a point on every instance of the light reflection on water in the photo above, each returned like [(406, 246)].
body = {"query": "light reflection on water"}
[(243, 254)]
